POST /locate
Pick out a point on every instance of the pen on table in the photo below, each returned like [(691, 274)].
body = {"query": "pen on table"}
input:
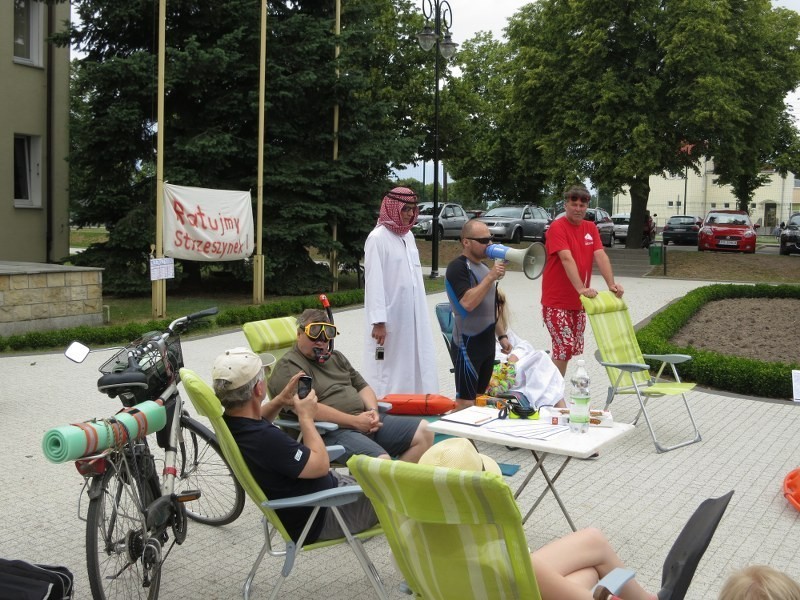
[(482, 421)]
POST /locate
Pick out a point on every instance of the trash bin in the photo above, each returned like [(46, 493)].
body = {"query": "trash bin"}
[(656, 253)]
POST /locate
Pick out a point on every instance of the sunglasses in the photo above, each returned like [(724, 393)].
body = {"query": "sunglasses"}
[(578, 199), (315, 330), (408, 208), (485, 241)]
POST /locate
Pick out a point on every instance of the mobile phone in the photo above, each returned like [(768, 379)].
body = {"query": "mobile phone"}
[(379, 353), (304, 386)]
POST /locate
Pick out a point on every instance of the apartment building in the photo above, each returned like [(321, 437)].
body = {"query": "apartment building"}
[(34, 133), (696, 194)]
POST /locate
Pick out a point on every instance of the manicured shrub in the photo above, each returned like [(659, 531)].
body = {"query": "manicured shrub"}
[(730, 373)]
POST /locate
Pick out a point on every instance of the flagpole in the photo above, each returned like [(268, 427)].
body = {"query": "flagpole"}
[(159, 286), (334, 229), (258, 258)]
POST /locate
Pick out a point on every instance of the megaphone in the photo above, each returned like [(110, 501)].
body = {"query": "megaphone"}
[(531, 260)]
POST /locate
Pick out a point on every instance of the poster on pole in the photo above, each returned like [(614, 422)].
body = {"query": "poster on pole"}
[(207, 225)]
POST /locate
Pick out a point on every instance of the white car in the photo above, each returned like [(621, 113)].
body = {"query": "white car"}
[(621, 222)]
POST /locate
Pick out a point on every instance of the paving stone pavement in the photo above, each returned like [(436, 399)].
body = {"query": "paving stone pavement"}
[(640, 499)]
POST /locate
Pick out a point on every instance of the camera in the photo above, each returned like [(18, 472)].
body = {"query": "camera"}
[(379, 353), (303, 386)]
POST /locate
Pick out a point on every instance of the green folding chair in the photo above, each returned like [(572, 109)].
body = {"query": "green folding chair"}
[(454, 533), (625, 364), (273, 336), (208, 405)]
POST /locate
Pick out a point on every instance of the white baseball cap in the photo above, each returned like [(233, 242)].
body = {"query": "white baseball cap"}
[(237, 366)]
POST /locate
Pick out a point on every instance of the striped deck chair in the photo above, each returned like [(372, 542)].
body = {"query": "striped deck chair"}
[(208, 405), (272, 336), (625, 364), (453, 533)]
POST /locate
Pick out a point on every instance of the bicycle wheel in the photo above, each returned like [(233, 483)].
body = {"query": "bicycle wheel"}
[(201, 466), (116, 539)]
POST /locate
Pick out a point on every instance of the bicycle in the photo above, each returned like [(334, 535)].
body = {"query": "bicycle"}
[(131, 510)]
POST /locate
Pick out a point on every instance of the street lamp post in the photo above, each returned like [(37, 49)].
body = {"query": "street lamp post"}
[(442, 15)]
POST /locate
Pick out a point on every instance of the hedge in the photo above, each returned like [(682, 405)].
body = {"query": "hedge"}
[(730, 373), (122, 334)]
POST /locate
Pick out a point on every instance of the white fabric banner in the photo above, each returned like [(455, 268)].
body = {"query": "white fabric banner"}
[(207, 225)]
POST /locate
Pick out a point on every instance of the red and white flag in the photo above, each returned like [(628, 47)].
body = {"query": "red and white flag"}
[(207, 225)]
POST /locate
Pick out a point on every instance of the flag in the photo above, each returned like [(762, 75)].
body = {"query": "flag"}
[(207, 225)]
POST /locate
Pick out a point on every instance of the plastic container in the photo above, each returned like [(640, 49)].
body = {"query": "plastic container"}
[(579, 399), (656, 253)]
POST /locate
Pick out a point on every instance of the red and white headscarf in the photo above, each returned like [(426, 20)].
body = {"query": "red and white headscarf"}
[(393, 202)]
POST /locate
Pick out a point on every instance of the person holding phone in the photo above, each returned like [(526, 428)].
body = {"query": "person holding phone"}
[(282, 466), (345, 398)]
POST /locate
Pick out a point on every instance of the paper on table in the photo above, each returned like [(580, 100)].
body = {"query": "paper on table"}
[(530, 430), (796, 385), (474, 415)]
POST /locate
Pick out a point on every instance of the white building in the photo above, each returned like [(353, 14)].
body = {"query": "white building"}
[(697, 194)]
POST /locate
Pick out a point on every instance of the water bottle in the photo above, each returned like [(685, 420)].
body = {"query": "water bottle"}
[(579, 400)]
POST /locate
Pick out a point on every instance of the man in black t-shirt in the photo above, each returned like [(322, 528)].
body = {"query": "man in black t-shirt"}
[(470, 286), (280, 465)]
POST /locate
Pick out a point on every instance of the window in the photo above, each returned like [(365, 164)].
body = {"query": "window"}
[(28, 32), (726, 205), (670, 203), (27, 171), (713, 205)]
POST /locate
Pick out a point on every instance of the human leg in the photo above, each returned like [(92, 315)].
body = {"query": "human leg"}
[(406, 438), (566, 328), (568, 568), (354, 442), (358, 516)]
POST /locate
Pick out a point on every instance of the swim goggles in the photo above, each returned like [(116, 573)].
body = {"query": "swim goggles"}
[(315, 330)]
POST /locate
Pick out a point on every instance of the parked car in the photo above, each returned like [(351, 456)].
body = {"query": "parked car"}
[(621, 222), (515, 223), (790, 235), (604, 224), (681, 229), (451, 219), (727, 230)]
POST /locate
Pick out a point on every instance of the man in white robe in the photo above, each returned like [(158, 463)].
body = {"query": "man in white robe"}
[(399, 355)]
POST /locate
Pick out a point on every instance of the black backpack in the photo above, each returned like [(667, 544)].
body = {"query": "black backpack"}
[(22, 580)]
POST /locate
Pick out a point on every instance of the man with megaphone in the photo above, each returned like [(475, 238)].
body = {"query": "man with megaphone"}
[(470, 286)]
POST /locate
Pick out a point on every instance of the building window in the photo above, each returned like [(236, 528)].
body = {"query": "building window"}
[(28, 32), (27, 171), (679, 203), (669, 203), (713, 205), (726, 205)]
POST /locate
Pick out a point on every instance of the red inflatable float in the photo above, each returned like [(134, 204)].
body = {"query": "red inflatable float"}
[(419, 404), (791, 488)]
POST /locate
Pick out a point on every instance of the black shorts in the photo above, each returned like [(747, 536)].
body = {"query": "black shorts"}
[(394, 438), (473, 360)]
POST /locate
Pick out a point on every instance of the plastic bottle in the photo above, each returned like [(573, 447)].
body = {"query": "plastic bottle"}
[(579, 399)]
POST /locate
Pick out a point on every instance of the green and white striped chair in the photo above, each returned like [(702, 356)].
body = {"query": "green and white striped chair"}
[(208, 405), (454, 533), (625, 364), (271, 336)]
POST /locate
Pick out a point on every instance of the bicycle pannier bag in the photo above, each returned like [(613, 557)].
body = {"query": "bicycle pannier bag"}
[(27, 581)]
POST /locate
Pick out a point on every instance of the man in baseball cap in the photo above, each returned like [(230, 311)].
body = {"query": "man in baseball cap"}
[(282, 466)]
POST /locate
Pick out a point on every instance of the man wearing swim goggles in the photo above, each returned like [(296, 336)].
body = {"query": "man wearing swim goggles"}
[(345, 398)]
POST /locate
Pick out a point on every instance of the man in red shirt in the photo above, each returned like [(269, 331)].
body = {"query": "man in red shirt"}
[(572, 246)]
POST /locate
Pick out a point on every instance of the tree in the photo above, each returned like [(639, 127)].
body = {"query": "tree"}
[(211, 123), (481, 153), (611, 91)]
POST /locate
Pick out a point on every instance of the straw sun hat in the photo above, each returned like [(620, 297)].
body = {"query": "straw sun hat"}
[(458, 453)]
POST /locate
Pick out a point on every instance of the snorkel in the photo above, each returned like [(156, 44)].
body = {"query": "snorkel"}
[(322, 355)]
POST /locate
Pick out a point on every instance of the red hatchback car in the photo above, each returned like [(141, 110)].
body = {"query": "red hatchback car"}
[(727, 230)]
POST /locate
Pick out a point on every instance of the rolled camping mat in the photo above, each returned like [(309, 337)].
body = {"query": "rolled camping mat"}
[(419, 404), (70, 442)]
